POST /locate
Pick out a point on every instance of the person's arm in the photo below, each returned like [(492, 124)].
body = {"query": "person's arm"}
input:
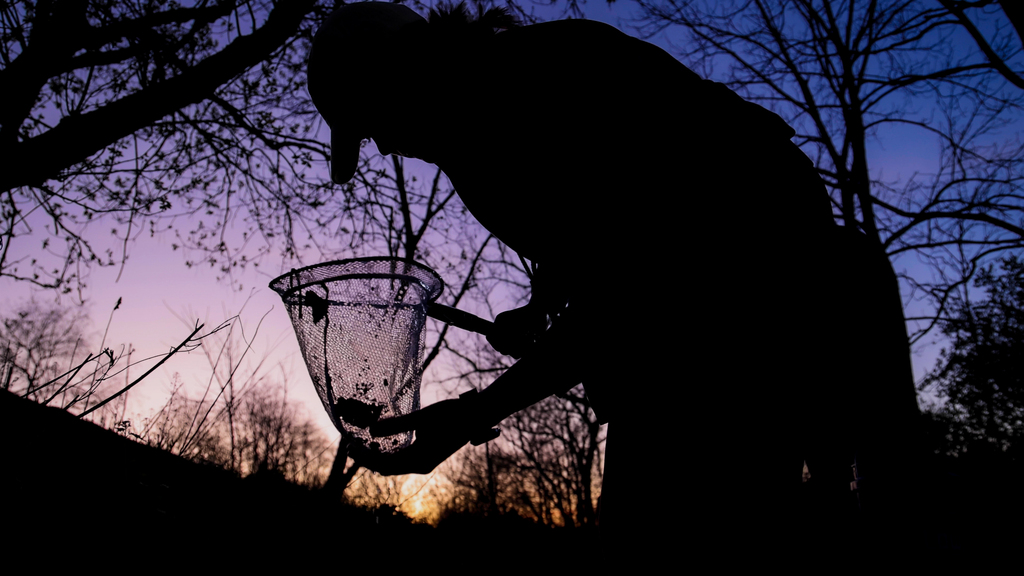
[(548, 369), (444, 427)]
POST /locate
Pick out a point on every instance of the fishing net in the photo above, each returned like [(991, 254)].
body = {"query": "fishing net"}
[(361, 327)]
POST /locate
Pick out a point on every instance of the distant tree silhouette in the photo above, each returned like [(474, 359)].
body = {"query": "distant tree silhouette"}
[(48, 356), (546, 466), (38, 343), (178, 427), (558, 445), (981, 375), (241, 418), (268, 434), (274, 436)]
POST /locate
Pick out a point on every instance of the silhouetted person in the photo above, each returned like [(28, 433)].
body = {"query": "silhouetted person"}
[(685, 250)]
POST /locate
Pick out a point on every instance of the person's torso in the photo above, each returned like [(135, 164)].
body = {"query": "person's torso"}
[(581, 143)]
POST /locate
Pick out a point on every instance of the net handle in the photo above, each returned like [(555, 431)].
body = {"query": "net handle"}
[(460, 319)]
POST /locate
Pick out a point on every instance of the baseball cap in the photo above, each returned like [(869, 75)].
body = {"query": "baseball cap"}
[(349, 50)]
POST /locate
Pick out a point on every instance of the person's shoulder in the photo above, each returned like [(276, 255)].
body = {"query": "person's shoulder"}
[(589, 43), (559, 36), (579, 26), (571, 35)]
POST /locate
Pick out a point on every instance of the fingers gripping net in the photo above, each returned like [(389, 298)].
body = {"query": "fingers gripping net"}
[(361, 328)]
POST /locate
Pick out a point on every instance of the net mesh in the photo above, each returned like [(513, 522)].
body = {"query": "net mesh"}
[(361, 328)]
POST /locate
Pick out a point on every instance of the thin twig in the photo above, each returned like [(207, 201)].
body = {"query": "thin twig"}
[(147, 373)]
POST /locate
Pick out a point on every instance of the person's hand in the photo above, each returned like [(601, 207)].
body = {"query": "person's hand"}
[(515, 330), (441, 429)]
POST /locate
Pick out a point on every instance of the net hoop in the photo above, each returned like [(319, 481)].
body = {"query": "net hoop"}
[(361, 326), (286, 285)]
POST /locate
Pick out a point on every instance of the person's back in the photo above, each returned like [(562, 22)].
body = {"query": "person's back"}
[(572, 139)]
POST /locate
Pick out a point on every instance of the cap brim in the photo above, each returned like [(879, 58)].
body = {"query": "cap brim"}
[(344, 157)]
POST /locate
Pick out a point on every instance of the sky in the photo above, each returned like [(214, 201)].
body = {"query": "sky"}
[(161, 299)]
